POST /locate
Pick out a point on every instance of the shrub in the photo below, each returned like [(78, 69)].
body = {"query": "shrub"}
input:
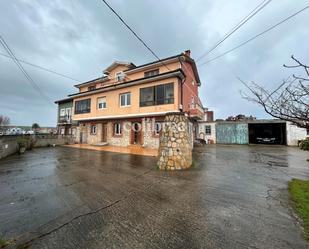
[(304, 145), (22, 142)]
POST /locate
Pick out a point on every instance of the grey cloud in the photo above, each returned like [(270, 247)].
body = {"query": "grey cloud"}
[(81, 38)]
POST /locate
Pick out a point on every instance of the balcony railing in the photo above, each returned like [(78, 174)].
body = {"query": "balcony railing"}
[(67, 119), (196, 111)]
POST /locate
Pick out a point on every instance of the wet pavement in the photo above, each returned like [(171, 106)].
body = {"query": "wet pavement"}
[(234, 197)]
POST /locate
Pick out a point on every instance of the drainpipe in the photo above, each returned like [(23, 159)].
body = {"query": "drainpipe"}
[(181, 86)]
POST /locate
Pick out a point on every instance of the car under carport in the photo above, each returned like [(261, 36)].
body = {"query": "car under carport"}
[(267, 133)]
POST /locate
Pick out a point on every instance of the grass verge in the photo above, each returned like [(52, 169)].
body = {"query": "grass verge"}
[(3, 243), (299, 194)]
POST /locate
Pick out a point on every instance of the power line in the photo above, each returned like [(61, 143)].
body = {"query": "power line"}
[(135, 34), (256, 10), (40, 67), (256, 36), (21, 68)]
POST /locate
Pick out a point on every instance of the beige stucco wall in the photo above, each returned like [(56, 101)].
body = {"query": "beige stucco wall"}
[(113, 103)]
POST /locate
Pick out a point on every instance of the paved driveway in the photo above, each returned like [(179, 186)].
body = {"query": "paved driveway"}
[(234, 197)]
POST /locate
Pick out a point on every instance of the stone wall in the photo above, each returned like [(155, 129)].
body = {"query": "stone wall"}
[(123, 139), (9, 146), (150, 140), (175, 151)]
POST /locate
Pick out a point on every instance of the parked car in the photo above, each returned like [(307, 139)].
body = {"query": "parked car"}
[(1, 133), (30, 132), (266, 140)]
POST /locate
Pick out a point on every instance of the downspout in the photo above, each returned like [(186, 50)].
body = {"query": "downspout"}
[(181, 86)]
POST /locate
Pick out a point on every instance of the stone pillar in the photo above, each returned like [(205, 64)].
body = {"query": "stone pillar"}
[(175, 151)]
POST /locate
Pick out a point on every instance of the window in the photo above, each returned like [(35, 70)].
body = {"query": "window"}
[(207, 129), (125, 99), (68, 112), (62, 112), (91, 88), (158, 127), (157, 95), (151, 73), (146, 96), (82, 106), (93, 129), (119, 76), (117, 129), (102, 103)]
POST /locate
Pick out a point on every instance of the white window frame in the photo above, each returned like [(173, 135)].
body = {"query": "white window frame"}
[(68, 112), (126, 99), (119, 76), (93, 129), (209, 129), (115, 128), (102, 98), (62, 112)]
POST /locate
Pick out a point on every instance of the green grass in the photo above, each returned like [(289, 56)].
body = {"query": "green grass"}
[(299, 194), (3, 243)]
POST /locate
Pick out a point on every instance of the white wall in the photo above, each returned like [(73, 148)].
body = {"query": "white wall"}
[(294, 134), (202, 134)]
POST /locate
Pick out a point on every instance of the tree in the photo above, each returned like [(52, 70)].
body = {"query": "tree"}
[(289, 101), (4, 120), (35, 126)]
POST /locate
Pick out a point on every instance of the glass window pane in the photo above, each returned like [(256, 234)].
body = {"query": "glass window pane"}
[(146, 96), (160, 94), (128, 98), (169, 93), (122, 100)]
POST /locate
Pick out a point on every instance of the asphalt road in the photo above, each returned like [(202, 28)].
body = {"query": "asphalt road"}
[(234, 197)]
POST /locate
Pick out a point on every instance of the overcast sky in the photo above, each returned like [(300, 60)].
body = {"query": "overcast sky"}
[(81, 38)]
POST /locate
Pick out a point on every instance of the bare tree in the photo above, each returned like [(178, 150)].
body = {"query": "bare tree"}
[(289, 101), (4, 120)]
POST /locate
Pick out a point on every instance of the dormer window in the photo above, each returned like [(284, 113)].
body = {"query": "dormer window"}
[(91, 88), (120, 76), (151, 73)]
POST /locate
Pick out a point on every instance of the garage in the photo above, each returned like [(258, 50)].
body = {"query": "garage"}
[(267, 133)]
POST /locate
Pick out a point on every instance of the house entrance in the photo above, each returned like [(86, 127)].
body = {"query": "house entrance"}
[(104, 132), (136, 133)]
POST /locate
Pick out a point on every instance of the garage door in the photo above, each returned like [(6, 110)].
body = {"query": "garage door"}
[(232, 133)]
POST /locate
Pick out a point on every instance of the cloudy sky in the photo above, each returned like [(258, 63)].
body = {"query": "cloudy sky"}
[(81, 38)]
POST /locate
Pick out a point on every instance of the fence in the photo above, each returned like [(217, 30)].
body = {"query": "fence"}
[(9, 143)]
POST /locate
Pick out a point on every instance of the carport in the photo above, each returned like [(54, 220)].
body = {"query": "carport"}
[(267, 133)]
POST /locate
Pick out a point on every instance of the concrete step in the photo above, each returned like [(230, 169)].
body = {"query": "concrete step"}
[(100, 144)]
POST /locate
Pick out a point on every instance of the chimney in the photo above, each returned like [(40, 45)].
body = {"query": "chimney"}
[(188, 52)]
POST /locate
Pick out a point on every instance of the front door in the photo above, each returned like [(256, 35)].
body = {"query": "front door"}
[(136, 133), (104, 132)]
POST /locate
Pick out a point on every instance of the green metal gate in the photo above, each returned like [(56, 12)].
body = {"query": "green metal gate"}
[(232, 133)]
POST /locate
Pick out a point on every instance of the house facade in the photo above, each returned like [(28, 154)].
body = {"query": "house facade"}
[(127, 106), (65, 123)]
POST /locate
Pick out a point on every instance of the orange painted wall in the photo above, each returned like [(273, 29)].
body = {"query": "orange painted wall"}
[(113, 103), (131, 75)]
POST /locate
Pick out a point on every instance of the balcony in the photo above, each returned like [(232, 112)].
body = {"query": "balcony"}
[(67, 119), (196, 111)]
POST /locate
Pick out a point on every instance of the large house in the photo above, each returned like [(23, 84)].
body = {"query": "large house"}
[(127, 105)]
